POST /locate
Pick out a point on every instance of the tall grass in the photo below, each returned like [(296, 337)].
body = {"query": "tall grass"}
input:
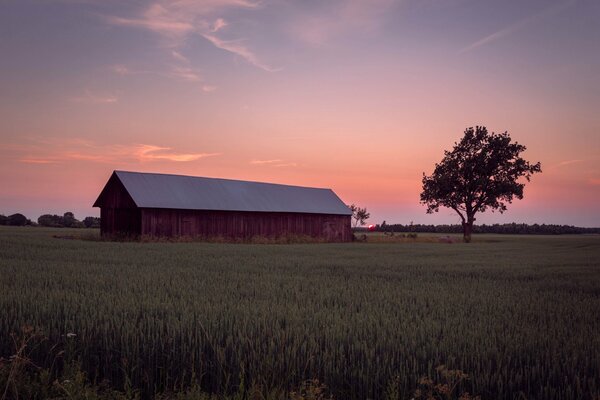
[(520, 314)]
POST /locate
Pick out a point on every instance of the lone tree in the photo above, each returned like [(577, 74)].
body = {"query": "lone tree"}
[(481, 172), (359, 215)]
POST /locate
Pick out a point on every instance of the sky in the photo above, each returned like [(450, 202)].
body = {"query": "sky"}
[(359, 96)]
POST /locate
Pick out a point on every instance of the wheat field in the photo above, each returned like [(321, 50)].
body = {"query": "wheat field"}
[(519, 314)]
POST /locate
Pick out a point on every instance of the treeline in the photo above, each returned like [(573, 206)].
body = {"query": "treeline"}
[(67, 220), (512, 228)]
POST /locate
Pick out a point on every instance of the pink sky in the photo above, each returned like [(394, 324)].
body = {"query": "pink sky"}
[(359, 97)]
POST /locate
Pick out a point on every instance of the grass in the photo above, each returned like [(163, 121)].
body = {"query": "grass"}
[(519, 314)]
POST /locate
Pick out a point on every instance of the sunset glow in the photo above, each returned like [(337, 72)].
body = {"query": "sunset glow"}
[(359, 96)]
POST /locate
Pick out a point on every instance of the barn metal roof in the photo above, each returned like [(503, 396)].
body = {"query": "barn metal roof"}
[(196, 193)]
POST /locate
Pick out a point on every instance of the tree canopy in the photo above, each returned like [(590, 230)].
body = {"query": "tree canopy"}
[(482, 171)]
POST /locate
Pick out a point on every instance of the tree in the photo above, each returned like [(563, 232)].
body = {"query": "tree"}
[(359, 215), (69, 219), (17, 220), (482, 171), (3, 220), (50, 220)]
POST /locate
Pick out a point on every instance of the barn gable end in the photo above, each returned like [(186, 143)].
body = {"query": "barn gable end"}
[(114, 195), (119, 214)]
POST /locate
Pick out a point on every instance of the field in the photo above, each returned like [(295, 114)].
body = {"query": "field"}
[(519, 314)]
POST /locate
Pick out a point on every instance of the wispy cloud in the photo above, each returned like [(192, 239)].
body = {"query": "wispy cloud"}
[(186, 73), (159, 19), (339, 18), (568, 162), (235, 47), (55, 151), (261, 162), (182, 71), (178, 56), (37, 161), (517, 26), (176, 21), (286, 165), (120, 69), (595, 181), (94, 98), (274, 163), (146, 152), (219, 24), (564, 163)]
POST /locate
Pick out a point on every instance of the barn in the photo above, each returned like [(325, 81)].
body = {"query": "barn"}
[(135, 203)]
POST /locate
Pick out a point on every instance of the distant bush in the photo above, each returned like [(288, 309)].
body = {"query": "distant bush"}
[(3, 220), (91, 222)]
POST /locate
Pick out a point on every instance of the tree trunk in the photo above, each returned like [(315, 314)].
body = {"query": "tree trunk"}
[(468, 229)]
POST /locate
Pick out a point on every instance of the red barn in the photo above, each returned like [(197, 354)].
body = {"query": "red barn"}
[(134, 203)]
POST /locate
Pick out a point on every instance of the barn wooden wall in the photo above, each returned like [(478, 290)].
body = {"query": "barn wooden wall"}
[(123, 221), (170, 222)]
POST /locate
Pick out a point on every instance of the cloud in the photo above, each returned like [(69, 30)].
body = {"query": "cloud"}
[(517, 26), (274, 163), (286, 165), (159, 19), (568, 162), (147, 152), (219, 24), (595, 181), (120, 69), (234, 46), (182, 71), (260, 162), (339, 18), (124, 70), (564, 164), (56, 151), (37, 161), (186, 74), (90, 97), (209, 88), (178, 56), (176, 21)]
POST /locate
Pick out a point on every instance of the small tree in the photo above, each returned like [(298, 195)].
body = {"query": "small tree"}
[(50, 220), (69, 219), (359, 215), (482, 171)]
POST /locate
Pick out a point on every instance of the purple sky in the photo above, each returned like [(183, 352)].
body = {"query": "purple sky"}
[(359, 96)]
